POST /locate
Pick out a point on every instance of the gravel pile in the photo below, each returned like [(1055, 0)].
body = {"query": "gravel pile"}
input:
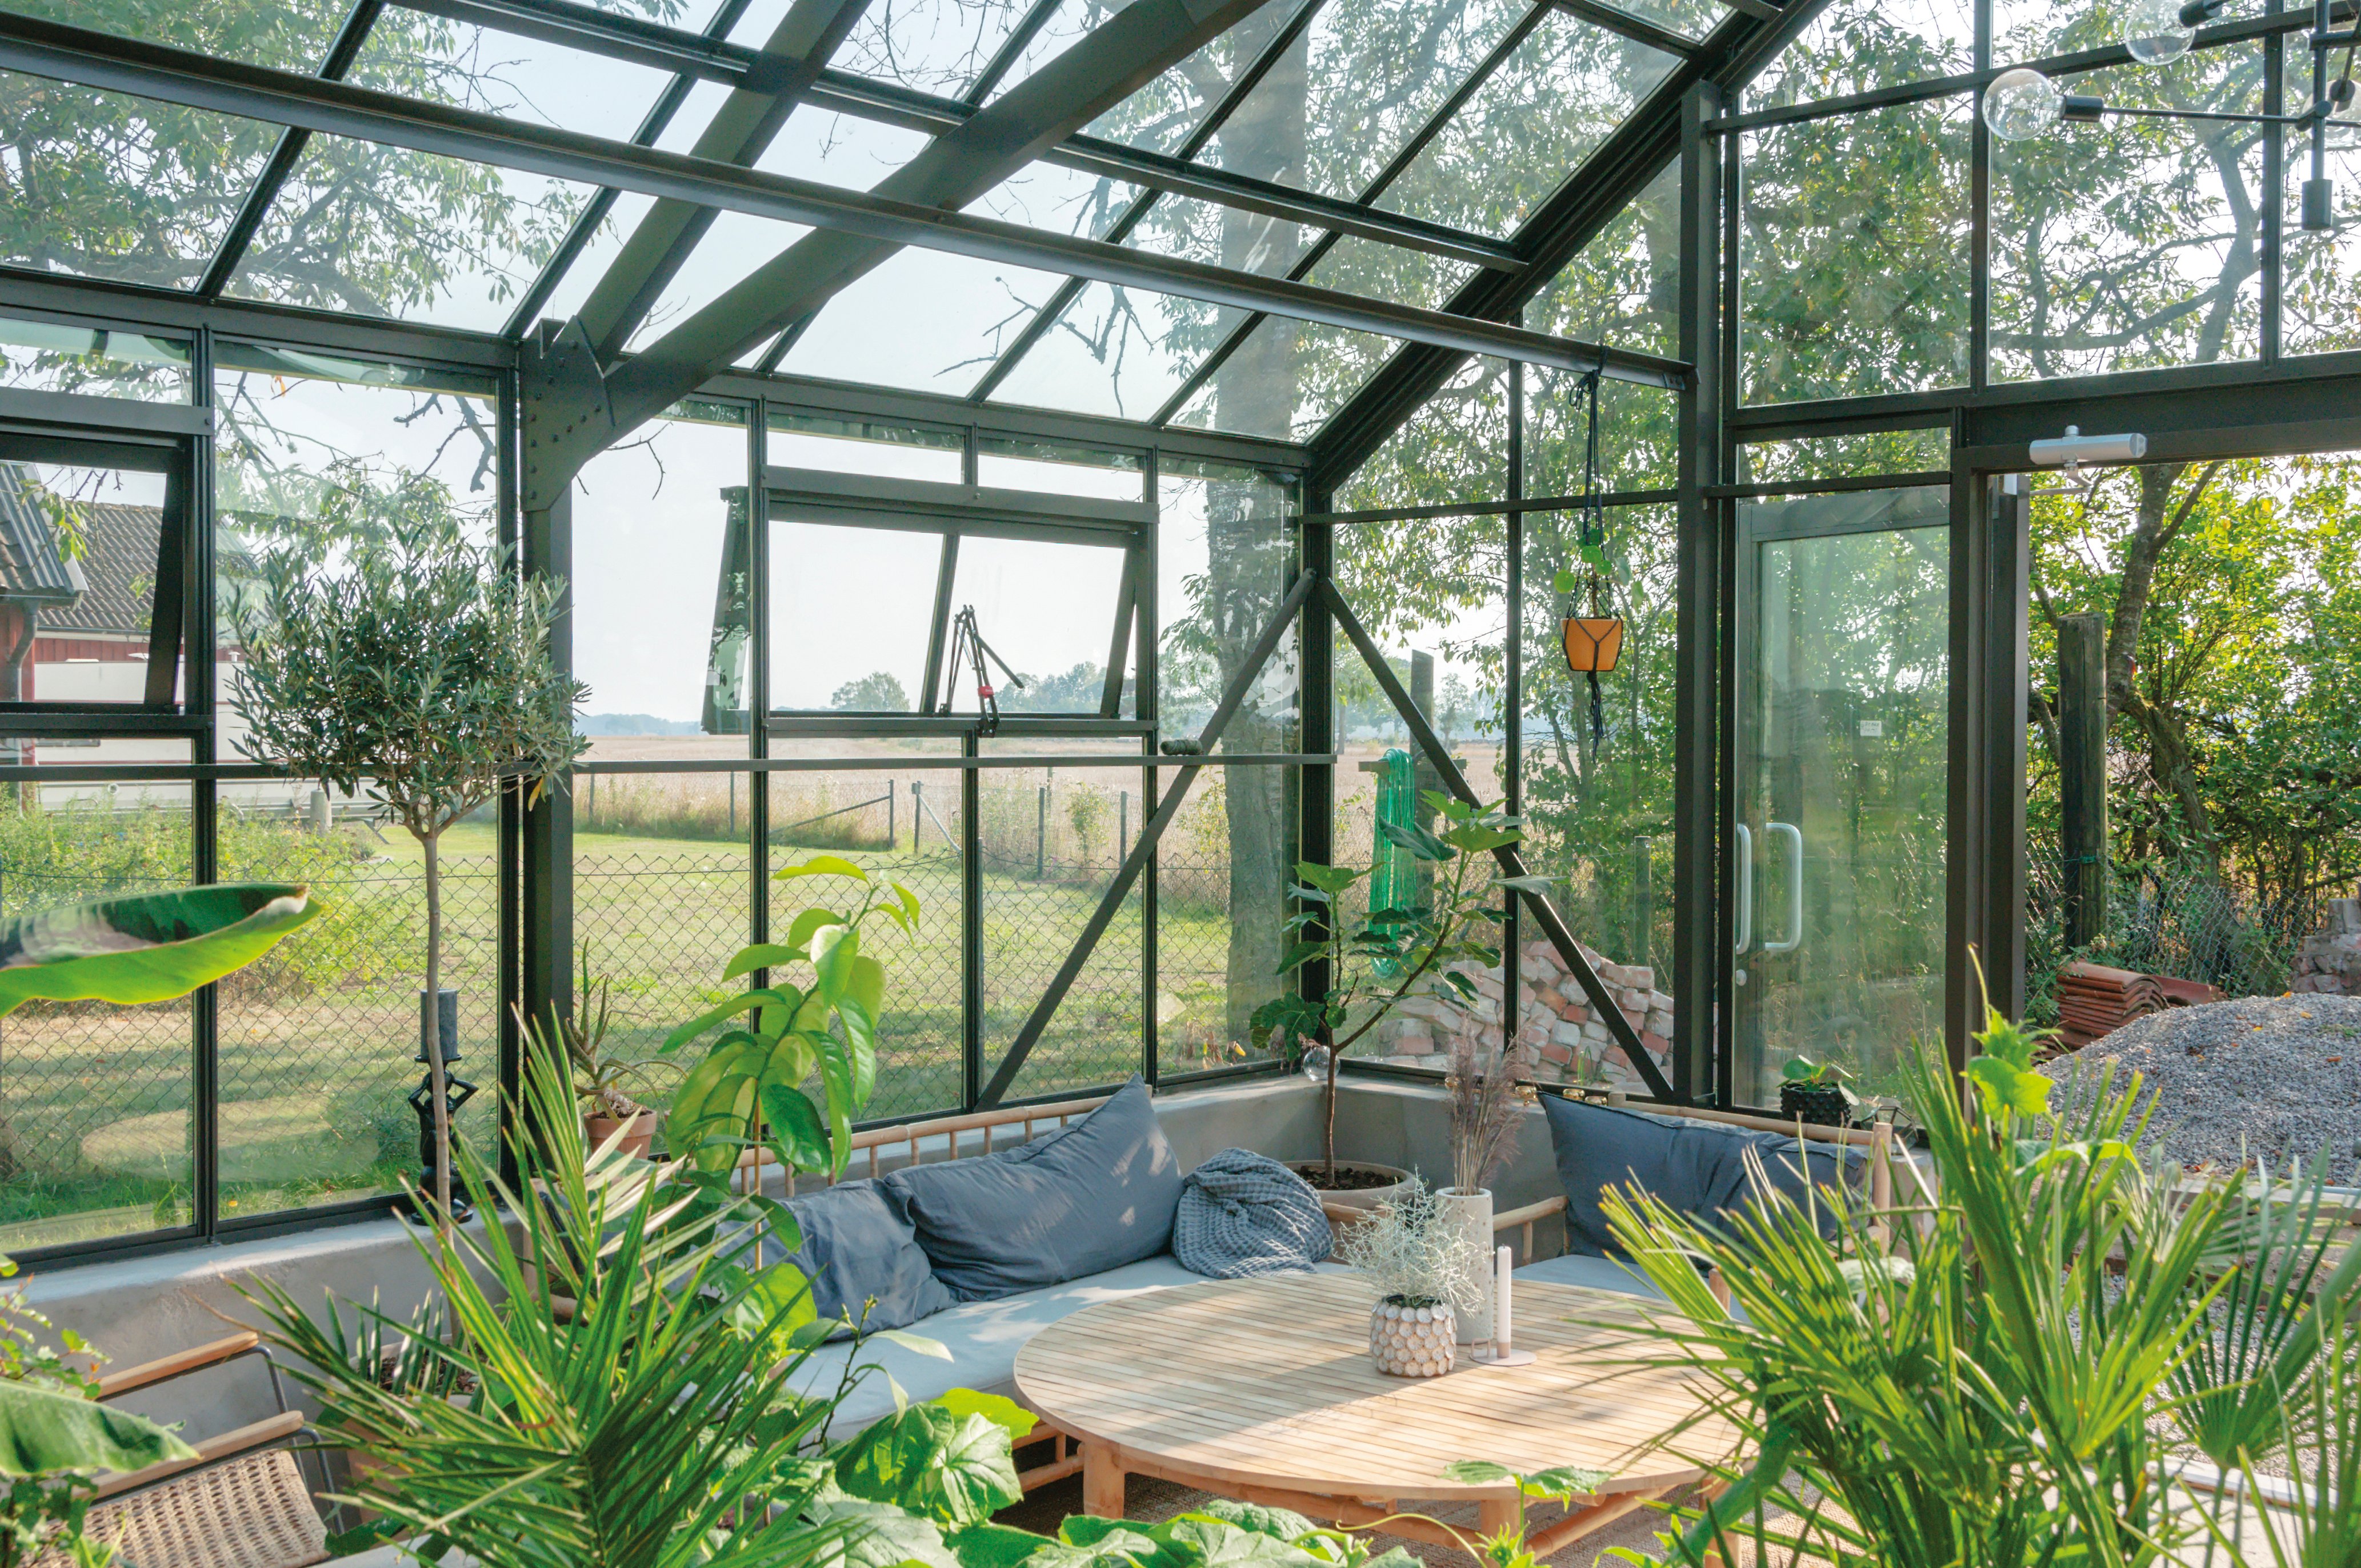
[(2278, 1076)]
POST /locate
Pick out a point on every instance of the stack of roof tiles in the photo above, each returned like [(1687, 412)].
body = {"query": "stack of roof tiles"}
[(2093, 1000)]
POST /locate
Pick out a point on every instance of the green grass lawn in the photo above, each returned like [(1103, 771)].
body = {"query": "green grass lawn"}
[(315, 1053)]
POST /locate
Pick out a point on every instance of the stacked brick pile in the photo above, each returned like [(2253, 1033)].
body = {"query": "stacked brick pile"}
[(1559, 1039), (2330, 958)]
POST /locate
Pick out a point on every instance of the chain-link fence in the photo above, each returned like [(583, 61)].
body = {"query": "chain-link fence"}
[(2171, 919)]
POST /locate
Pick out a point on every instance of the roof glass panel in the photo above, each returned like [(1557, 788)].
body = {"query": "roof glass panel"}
[(1067, 199), (735, 244), (290, 35), (1118, 352), (1375, 270), (125, 189), (1561, 93), (1355, 87), (1694, 17), (1067, 23), (458, 63), (379, 230), (921, 319), (1857, 45), (838, 150), (936, 46), (2027, 30), (1286, 379), (1161, 115)]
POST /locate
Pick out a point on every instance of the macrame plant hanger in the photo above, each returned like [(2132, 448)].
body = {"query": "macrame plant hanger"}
[(1592, 642)]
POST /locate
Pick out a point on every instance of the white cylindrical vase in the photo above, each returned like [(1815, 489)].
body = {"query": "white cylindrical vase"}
[(1412, 1342), (1469, 1215)]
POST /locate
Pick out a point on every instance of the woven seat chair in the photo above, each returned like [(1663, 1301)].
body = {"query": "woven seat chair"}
[(240, 1503)]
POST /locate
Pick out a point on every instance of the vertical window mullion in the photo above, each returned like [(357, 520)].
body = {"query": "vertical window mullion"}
[(197, 658)]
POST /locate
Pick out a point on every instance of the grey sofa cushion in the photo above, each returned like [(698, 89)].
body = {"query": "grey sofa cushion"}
[(1091, 1196), (1698, 1168), (857, 1245)]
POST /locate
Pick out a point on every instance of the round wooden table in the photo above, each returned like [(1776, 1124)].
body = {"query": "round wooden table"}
[(1262, 1390)]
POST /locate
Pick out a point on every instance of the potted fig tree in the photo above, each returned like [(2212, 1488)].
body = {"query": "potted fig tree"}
[(1381, 960)]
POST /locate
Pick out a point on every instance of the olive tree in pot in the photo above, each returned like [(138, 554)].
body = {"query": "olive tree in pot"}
[(1377, 963), (414, 667)]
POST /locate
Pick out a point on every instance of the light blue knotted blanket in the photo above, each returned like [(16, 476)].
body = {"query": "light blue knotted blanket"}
[(1243, 1214)]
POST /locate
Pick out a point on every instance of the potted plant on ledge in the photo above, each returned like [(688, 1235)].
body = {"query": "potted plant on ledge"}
[(1814, 1092), (1377, 963)]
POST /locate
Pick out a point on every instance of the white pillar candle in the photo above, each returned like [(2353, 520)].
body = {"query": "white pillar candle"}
[(1504, 1260)]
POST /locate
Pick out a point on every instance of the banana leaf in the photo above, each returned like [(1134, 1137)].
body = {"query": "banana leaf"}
[(148, 947), (43, 1431)]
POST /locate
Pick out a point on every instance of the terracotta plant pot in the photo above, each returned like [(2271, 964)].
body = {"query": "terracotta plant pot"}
[(1374, 1184), (1412, 1342), (639, 1132), (1592, 646)]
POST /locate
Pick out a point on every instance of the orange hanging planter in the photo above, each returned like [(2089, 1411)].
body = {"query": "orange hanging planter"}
[(1592, 645)]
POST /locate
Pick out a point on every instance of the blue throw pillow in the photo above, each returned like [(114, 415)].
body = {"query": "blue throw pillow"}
[(858, 1246), (1698, 1168), (1093, 1195)]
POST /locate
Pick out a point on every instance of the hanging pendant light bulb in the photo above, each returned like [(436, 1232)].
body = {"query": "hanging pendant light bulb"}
[(2022, 103), (2156, 32)]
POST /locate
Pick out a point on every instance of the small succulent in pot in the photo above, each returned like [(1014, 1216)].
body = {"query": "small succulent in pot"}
[(600, 1074), (1416, 1258), (1814, 1092)]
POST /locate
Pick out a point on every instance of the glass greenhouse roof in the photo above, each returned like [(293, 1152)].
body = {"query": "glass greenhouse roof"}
[(1391, 149)]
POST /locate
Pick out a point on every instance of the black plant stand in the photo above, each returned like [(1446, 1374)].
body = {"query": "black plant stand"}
[(457, 1092)]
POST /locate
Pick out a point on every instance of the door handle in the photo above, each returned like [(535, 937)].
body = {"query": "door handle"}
[(1745, 891), (1795, 837)]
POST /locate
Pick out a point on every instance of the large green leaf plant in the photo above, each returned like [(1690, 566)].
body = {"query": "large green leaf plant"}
[(753, 1087), (1375, 964)]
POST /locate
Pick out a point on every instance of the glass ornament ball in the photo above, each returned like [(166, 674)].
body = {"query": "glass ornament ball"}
[(2022, 103), (2154, 32)]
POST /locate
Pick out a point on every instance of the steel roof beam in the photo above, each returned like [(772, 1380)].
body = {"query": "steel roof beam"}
[(739, 132), (885, 102)]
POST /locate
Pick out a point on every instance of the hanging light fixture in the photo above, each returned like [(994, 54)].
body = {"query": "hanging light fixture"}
[(2021, 103)]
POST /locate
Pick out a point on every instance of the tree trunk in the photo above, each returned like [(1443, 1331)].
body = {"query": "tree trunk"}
[(1331, 1143), (431, 1024)]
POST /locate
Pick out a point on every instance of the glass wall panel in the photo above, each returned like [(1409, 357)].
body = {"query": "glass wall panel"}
[(1566, 88), (1858, 46), (1853, 252), (2028, 29), (1224, 560), (1049, 856), (1636, 432), (662, 584), (97, 1121), (82, 547), (123, 188), (1919, 451), (54, 357), (381, 230), (2134, 242), (904, 824), (2319, 305), (866, 446), (1598, 791), (1011, 463), (864, 651), (1049, 611), (1455, 448), (317, 1043), (1429, 593), (1623, 289)]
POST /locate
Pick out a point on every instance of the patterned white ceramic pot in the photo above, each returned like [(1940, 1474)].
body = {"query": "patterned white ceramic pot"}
[(1411, 1341)]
